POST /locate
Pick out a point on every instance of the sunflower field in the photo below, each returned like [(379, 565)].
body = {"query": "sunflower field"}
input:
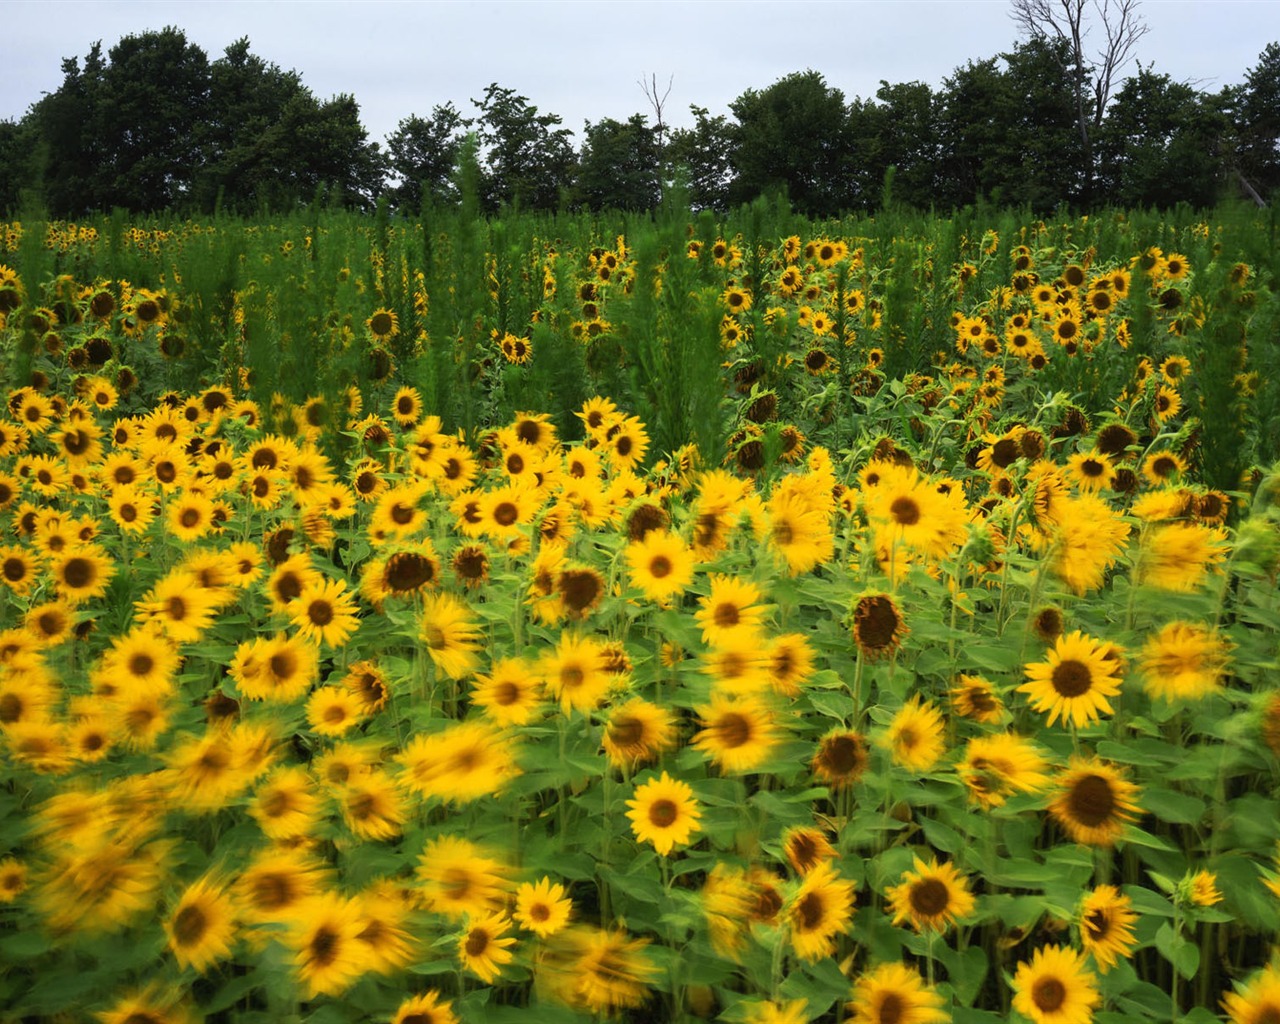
[(551, 620)]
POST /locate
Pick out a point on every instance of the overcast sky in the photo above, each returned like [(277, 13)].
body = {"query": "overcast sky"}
[(583, 59)]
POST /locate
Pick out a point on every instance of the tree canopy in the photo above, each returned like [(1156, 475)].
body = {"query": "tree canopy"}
[(153, 124)]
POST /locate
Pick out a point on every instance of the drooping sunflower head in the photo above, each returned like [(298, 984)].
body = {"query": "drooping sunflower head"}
[(878, 625), (1094, 802)]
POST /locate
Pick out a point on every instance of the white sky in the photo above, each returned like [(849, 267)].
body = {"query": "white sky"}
[(582, 59)]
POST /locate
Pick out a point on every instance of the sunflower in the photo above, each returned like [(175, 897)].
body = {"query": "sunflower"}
[(483, 946), (731, 612), (1184, 661), (1106, 926), (13, 879), (19, 568), (664, 812), (325, 612), (50, 623), (201, 926), (1200, 889), (179, 607), (190, 516), (738, 735), (542, 908), (601, 971), (975, 698), (789, 662), (153, 1004), (324, 936), (205, 773), (575, 673), (1055, 988), (998, 766), (1074, 681), (841, 759), (279, 669), (915, 736), (878, 626), (333, 710), (1094, 802), (1179, 556), (462, 763), (427, 1008), (1168, 404), (895, 994), (276, 882), (459, 878), (805, 848), (451, 634), (286, 805), (81, 572), (372, 806), (1088, 541), (385, 933), (1092, 471), (767, 1011), (383, 324), (821, 908), (932, 897), (799, 529), (627, 441), (661, 565), (637, 732), (140, 661), (1257, 1001)]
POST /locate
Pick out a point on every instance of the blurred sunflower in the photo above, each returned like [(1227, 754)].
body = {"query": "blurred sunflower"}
[(637, 732), (483, 946), (821, 908), (737, 735), (201, 926), (894, 993), (1106, 926), (1094, 802), (915, 737), (1184, 661)]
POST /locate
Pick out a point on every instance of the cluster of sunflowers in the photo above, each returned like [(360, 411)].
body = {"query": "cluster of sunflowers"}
[(966, 713), (506, 728)]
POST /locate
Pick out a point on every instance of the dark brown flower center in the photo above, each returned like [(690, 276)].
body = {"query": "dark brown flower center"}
[(1091, 801), (929, 897), (663, 813), (1071, 678)]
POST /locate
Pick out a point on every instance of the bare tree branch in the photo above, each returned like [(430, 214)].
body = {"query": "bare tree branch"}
[(1094, 76), (650, 90)]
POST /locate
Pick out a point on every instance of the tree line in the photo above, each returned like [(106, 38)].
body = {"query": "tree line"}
[(155, 125)]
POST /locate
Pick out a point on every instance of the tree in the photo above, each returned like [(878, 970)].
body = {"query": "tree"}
[(1257, 122), (794, 135), (1092, 75), (529, 158), (422, 155), (155, 90), (701, 159), (1008, 134), (619, 165), (1160, 144), (70, 149), (247, 97), (898, 129)]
